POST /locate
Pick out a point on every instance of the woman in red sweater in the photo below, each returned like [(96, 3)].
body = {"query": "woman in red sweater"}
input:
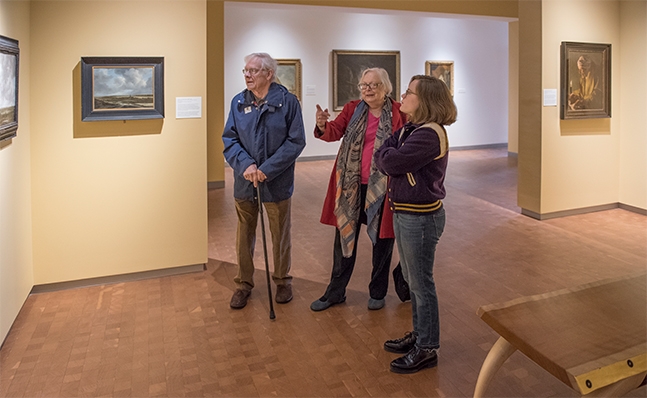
[(357, 190)]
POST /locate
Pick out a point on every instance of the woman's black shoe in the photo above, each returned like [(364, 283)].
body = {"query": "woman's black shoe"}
[(415, 360), (401, 345)]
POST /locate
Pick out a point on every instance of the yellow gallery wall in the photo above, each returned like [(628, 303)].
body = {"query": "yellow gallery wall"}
[(16, 270), (581, 159), (568, 166), (116, 197), (633, 103), (580, 166)]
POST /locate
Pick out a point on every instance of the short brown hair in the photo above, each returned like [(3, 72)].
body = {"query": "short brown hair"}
[(436, 103)]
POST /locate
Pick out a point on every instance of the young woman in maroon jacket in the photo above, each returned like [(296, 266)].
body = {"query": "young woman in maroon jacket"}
[(415, 159), (357, 189)]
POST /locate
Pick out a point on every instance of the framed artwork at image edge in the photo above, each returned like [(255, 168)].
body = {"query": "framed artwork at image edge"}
[(443, 70), (289, 75), (585, 68), (9, 62), (347, 68), (102, 97)]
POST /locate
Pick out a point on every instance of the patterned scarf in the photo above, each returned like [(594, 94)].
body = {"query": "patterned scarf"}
[(348, 178)]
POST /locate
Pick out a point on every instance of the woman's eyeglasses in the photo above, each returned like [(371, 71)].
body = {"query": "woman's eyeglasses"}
[(408, 92), (372, 86)]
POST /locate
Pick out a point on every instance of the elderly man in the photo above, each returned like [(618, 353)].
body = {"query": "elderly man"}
[(263, 137), (588, 95)]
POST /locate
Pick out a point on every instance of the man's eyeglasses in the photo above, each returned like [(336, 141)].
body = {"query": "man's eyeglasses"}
[(252, 72), (372, 86), (408, 92)]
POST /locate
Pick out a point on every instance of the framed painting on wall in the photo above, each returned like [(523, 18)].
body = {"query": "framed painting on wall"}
[(9, 56), (288, 74), (122, 88), (443, 70), (585, 80), (347, 69)]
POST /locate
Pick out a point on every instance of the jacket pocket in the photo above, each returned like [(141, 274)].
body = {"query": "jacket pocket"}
[(412, 181)]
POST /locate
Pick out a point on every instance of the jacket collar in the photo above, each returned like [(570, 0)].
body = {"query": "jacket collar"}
[(275, 96)]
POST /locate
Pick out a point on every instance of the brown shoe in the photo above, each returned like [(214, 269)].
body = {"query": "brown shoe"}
[(283, 294), (239, 299)]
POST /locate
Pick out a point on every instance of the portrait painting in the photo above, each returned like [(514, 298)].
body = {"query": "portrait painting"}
[(9, 54), (585, 80), (125, 88), (288, 74), (442, 70), (348, 67)]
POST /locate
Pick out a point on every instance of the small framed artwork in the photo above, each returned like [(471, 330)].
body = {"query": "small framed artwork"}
[(585, 80), (443, 70), (288, 74), (9, 55), (348, 67), (122, 88)]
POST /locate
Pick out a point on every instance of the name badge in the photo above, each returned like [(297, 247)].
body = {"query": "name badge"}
[(248, 109)]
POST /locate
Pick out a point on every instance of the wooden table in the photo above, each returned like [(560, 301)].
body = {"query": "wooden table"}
[(591, 337)]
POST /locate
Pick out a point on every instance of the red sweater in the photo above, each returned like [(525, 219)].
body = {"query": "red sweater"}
[(335, 130)]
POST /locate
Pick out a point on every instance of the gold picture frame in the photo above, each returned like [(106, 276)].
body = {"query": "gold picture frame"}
[(443, 70), (288, 74)]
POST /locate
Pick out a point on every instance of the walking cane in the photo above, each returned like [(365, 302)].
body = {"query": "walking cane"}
[(267, 267)]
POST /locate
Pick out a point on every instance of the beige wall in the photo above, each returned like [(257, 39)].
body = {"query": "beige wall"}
[(16, 270), (572, 165), (513, 87), (581, 158), (633, 103), (116, 197)]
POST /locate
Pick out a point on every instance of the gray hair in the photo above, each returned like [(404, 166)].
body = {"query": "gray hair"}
[(267, 62), (383, 75)]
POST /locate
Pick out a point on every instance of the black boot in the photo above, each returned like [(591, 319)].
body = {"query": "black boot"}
[(401, 345), (415, 360)]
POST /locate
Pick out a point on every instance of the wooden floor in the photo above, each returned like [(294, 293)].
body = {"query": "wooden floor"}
[(176, 336)]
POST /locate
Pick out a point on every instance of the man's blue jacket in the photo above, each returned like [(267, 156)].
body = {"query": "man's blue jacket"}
[(271, 136)]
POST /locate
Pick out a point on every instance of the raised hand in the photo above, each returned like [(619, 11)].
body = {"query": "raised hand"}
[(322, 117)]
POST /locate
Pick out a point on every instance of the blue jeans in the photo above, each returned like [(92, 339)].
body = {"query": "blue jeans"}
[(417, 237)]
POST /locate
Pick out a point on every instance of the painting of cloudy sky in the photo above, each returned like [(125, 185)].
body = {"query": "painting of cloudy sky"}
[(119, 88), (7, 88)]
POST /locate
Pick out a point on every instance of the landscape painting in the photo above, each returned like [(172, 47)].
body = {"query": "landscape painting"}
[(288, 73), (8, 87), (122, 88)]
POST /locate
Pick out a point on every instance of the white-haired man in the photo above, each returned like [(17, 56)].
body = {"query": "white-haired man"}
[(263, 137)]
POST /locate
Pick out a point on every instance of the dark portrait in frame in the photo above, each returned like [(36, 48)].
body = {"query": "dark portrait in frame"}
[(347, 69), (585, 80)]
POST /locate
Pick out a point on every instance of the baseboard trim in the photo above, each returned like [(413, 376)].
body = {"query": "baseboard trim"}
[(633, 209), (106, 280), (583, 210), (315, 158), (472, 147), (215, 184)]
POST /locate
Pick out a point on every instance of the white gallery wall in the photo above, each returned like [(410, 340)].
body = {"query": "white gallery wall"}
[(477, 45)]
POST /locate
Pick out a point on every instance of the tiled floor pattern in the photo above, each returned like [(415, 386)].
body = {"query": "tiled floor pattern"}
[(176, 336)]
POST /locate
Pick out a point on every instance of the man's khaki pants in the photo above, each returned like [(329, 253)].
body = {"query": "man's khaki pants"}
[(278, 214)]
